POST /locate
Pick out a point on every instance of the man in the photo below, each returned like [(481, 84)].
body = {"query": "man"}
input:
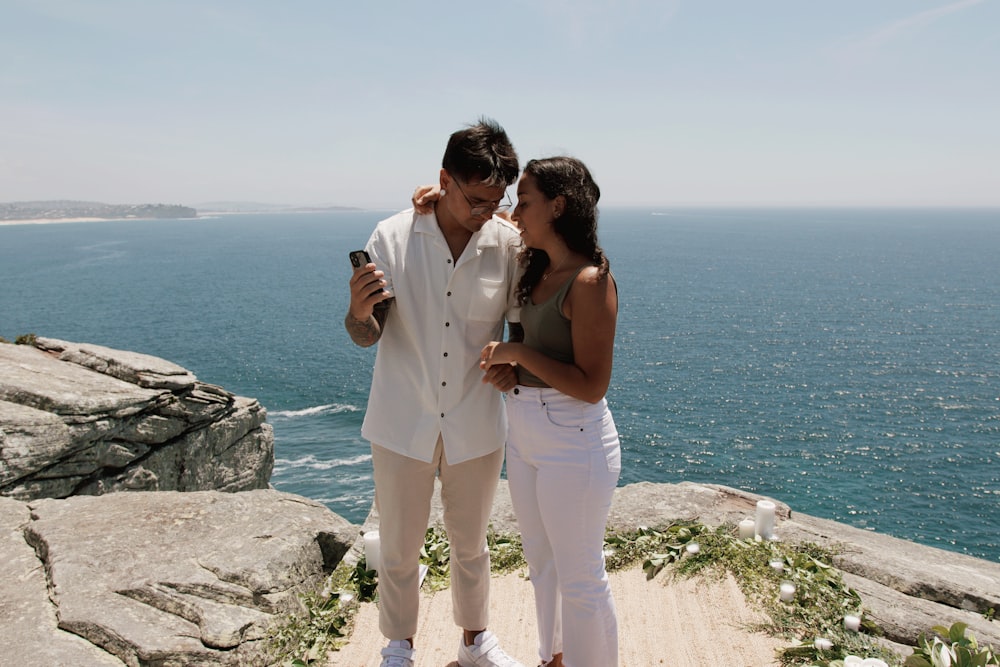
[(438, 289)]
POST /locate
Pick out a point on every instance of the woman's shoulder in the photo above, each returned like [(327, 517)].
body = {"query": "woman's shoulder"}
[(593, 276), (591, 284)]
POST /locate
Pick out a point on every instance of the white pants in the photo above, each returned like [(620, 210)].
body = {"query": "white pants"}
[(563, 462), (403, 489)]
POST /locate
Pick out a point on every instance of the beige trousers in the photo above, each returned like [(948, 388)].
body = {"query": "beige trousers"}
[(403, 490)]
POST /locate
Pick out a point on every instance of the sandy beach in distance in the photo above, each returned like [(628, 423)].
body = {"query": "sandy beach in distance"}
[(52, 221)]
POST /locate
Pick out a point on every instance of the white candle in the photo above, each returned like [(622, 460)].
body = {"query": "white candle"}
[(765, 519), (747, 528), (372, 550), (778, 566), (852, 661), (787, 591), (823, 644), (693, 548), (873, 662), (852, 622)]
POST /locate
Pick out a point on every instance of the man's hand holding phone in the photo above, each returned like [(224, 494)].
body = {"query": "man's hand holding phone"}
[(367, 286)]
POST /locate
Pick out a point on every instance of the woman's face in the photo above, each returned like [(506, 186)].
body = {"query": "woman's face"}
[(534, 213)]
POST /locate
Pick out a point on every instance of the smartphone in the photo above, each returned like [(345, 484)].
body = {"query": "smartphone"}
[(360, 258)]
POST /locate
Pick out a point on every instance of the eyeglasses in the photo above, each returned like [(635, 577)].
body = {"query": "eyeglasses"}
[(479, 209)]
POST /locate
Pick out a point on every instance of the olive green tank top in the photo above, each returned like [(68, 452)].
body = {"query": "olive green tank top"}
[(547, 330)]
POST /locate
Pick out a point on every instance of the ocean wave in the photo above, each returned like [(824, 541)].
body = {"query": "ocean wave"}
[(312, 463), (332, 409)]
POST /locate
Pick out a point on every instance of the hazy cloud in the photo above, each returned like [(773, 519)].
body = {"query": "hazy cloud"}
[(863, 47)]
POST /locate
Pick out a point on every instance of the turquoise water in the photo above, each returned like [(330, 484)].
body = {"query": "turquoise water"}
[(844, 362)]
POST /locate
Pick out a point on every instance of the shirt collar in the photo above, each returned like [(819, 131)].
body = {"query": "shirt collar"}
[(487, 237)]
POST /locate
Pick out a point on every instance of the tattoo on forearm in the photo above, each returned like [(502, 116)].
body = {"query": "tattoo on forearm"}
[(368, 332), (363, 332)]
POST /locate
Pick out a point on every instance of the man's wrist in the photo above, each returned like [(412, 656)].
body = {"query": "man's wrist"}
[(358, 320)]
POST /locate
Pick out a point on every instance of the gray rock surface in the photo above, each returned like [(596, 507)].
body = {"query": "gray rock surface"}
[(87, 420), (163, 578)]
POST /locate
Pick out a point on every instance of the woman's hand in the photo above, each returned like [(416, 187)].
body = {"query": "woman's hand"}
[(496, 353), (424, 197), (499, 369)]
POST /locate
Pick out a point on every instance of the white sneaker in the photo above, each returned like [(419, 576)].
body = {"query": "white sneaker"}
[(397, 654), (485, 652)]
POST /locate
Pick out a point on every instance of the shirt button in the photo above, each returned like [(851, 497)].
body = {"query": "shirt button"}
[(449, 293), (447, 324), (446, 354), (444, 384)]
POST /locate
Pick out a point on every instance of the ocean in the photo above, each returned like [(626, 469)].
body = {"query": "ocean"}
[(845, 362)]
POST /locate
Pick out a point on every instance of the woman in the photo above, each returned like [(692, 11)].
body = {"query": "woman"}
[(563, 456)]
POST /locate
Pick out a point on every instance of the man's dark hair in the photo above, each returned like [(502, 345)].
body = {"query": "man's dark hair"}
[(481, 154)]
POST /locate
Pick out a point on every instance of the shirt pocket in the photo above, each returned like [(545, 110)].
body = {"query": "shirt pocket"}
[(489, 301)]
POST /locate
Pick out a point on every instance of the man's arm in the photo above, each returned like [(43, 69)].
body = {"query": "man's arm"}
[(368, 332)]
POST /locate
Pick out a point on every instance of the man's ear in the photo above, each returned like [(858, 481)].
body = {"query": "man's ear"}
[(444, 179)]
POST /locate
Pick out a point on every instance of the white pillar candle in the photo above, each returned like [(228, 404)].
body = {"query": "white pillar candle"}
[(765, 519), (787, 591), (373, 553), (852, 661), (747, 528), (823, 644), (852, 622), (873, 662), (692, 548), (778, 566)]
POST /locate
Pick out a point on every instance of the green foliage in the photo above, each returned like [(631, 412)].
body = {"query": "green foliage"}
[(364, 581), (655, 547), (436, 555), (821, 597), (25, 339), (4, 340), (951, 647), (306, 638), (506, 552)]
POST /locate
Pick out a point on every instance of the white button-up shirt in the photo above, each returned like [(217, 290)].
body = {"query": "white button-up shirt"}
[(427, 379)]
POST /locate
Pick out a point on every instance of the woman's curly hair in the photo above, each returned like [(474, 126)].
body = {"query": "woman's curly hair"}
[(577, 225)]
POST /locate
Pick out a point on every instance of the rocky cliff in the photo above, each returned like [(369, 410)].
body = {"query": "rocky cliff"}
[(87, 420), (153, 576)]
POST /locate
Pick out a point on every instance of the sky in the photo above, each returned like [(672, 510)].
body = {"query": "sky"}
[(669, 102)]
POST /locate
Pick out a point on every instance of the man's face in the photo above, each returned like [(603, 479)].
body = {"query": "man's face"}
[(476, 204)]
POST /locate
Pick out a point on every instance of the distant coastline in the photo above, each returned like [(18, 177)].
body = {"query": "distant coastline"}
[(80, 211), (51, 221), (68, 211)]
